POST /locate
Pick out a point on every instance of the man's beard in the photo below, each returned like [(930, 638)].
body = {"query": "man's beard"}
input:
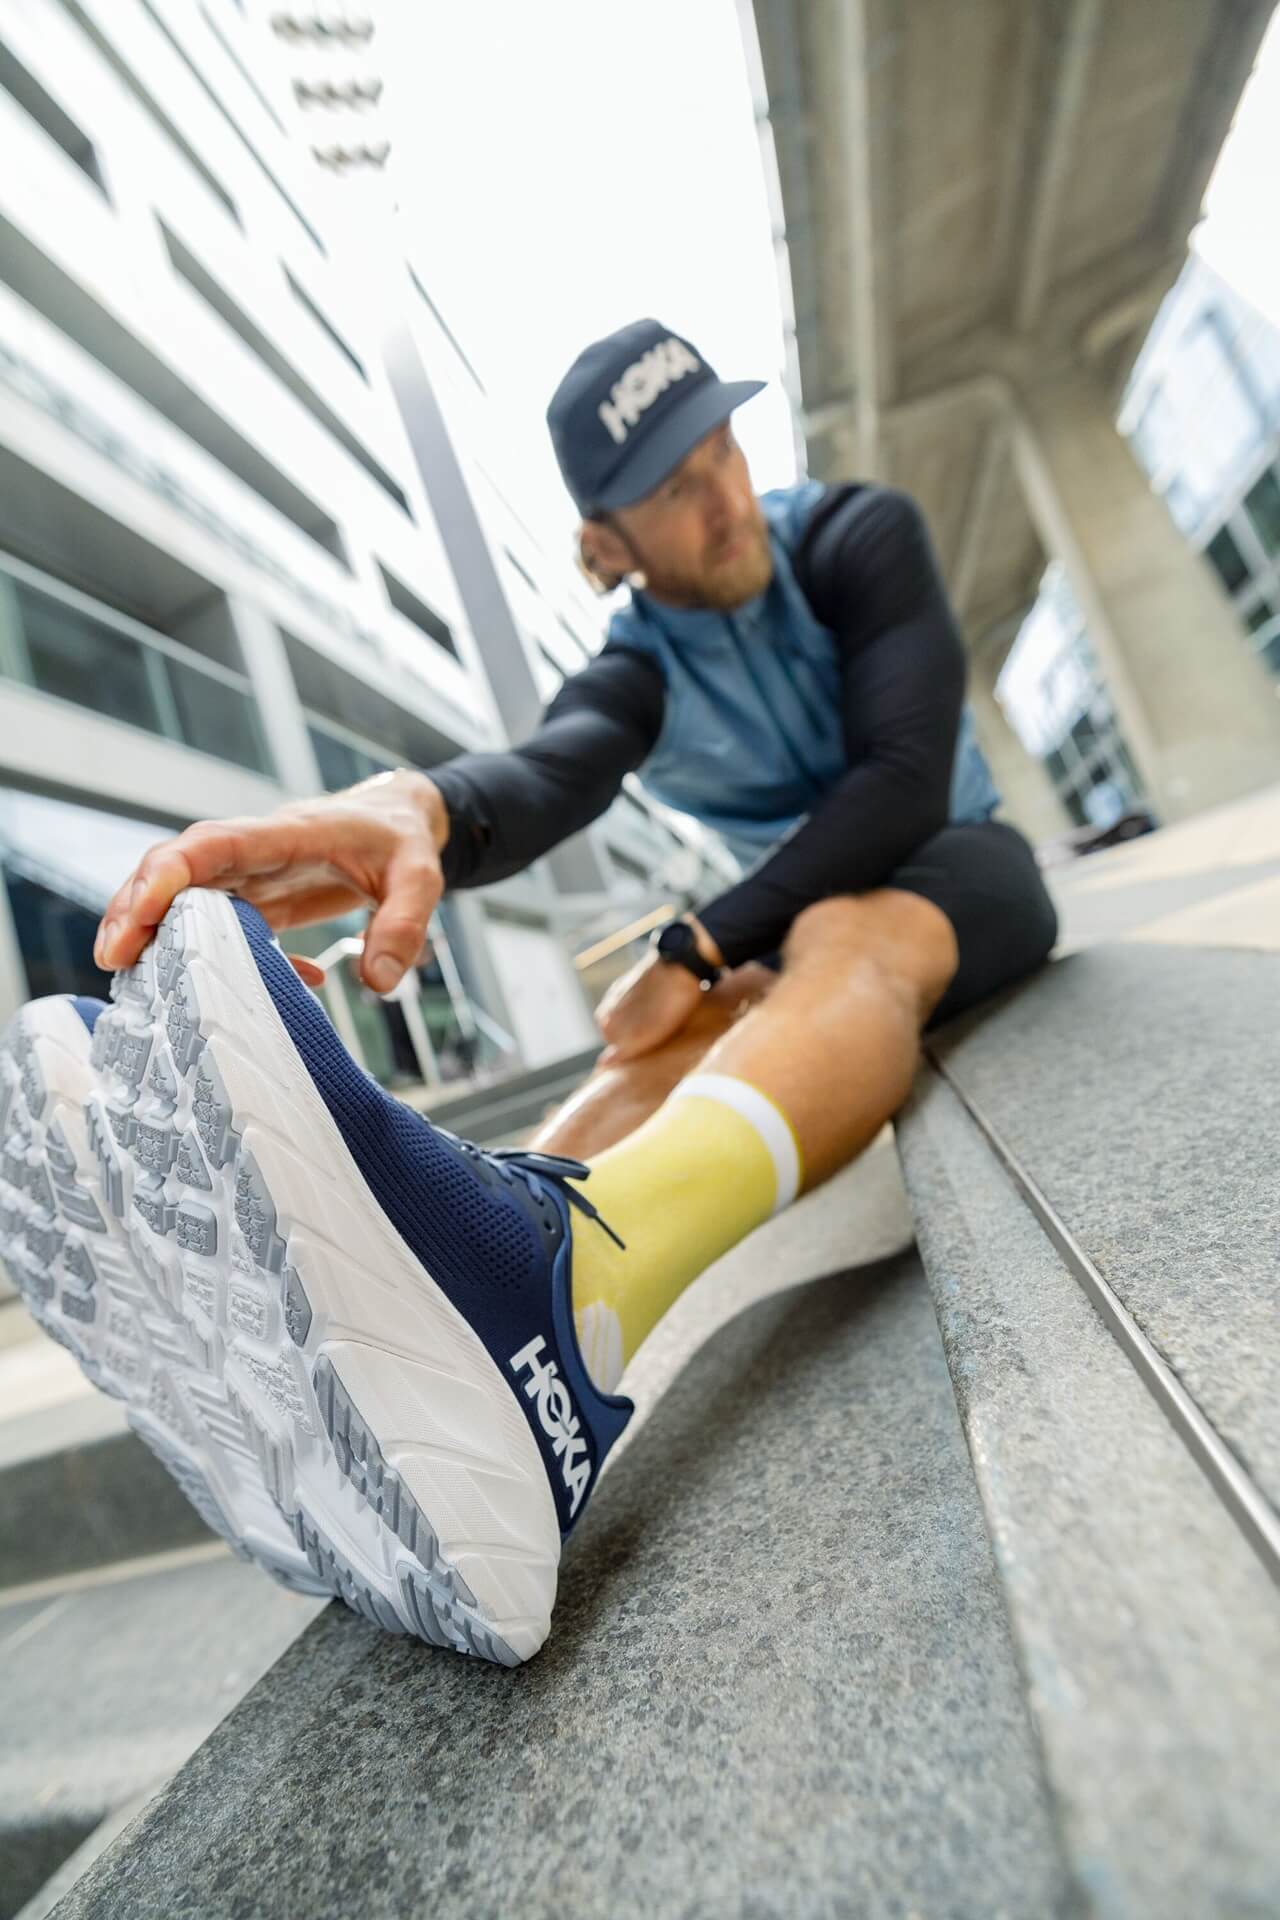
[(721, 586)]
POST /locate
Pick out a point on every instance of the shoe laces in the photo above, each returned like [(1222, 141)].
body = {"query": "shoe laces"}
[(537, 1171)]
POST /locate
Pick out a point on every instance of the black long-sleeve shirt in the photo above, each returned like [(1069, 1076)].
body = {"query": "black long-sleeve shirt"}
[(866, 566)]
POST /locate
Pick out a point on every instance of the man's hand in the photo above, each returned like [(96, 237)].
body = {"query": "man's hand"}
[(377, 844), (651, 1003)]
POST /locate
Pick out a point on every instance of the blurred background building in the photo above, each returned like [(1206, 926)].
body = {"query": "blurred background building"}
[(978, 214), (259, 537), (222, 578), (1202, 413)]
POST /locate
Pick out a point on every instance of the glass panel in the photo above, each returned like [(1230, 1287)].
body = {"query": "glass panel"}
[(55, 939), (458, 1053), (80, 659), (1104, 798), (215, 717), (342, 764), (1261, 614), (1225, 557), (1263, 502), (1125, 760), (1269, 653), (1085, 734)]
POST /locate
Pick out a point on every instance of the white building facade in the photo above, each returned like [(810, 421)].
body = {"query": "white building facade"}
[(222, 579)]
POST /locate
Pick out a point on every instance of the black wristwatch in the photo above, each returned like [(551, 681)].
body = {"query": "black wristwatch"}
[(677, 945)]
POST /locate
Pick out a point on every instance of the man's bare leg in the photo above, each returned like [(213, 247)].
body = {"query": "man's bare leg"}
[(613, 1101), (795, 1089), (844, 959)]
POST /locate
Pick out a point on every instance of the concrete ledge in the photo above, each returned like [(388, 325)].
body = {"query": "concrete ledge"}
[(78, 1490), (1139, 1087), (1147, 1627), (107, 1685), (780, 1682)]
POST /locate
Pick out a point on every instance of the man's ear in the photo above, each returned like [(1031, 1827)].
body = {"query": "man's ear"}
[(602, 556)]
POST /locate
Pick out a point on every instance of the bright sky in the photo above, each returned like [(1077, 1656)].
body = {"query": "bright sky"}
[(577, 164), (569, 166), (1240, 235)]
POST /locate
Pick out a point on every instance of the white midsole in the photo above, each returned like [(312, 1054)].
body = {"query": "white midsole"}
[(424, 1383)]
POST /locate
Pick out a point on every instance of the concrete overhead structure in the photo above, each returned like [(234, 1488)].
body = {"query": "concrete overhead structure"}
[(985, 203)]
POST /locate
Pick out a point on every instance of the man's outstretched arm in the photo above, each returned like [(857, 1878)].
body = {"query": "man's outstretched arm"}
[(390, 843), (874, 581), (506, 809)]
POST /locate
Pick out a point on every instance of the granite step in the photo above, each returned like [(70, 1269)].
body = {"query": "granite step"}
[(1139, 1088), (780, 1681), (107, 1683), (1142, 1603), (79, 1490)]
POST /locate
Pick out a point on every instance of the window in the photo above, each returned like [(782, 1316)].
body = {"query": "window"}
[(445, 329), (1227, 561), (406, 601), (523, 571), (235, 317), (1262, 615), (46, 112), (343, 759), (631, 868), (1269, 652), (304, 298), (85, 661), (239, 132), (355, 717), (580, 645), (1263, 504), (244, 72), (123, 674), (152, 107), (76, 313), (551, 661)]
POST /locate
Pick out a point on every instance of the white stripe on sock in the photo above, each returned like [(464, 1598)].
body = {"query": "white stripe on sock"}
[(758, 1109), (599, 1333)]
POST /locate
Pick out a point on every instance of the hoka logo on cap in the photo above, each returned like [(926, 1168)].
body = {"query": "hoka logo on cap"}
[(644, 381), (556, 1413)]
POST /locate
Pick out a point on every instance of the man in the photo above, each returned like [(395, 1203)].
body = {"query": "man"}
[(380, 1360)]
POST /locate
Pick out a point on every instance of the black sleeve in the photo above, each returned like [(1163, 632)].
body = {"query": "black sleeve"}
[(505, 809), (868, 569)]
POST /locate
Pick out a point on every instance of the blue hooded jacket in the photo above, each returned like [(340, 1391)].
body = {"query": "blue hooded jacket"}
[(752, 736)]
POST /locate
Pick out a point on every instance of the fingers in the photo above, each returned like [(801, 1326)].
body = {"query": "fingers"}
[(396, 932), (207, 853), (306, 969), (121, 936)]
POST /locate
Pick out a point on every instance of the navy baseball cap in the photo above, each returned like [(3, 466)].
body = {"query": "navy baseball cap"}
[(630, 408)]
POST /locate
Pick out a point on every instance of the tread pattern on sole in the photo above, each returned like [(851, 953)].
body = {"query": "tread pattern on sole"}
[(144, 1237)]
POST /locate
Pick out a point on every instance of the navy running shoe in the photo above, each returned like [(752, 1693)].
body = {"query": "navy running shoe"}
[(383, 1309)]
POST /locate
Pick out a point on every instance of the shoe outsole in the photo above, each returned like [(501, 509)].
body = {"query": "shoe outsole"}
[(66, 1249), (275, 1323)]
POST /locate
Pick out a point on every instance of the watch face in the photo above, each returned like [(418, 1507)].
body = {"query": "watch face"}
[(676, 942)]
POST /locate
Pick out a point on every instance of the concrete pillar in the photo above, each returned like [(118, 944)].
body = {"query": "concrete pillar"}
[(1198, 712), (577, 865), (1028, 800), (279, 707)]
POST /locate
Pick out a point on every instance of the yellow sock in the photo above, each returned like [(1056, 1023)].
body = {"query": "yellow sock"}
[(714, 1162)]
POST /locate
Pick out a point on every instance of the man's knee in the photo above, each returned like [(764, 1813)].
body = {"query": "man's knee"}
[(910, 941)]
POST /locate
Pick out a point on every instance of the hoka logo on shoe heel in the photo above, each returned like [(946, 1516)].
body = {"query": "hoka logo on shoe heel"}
[(559, 1420)]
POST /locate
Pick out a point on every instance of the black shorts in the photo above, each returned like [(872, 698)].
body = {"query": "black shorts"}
[(983, 875)]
